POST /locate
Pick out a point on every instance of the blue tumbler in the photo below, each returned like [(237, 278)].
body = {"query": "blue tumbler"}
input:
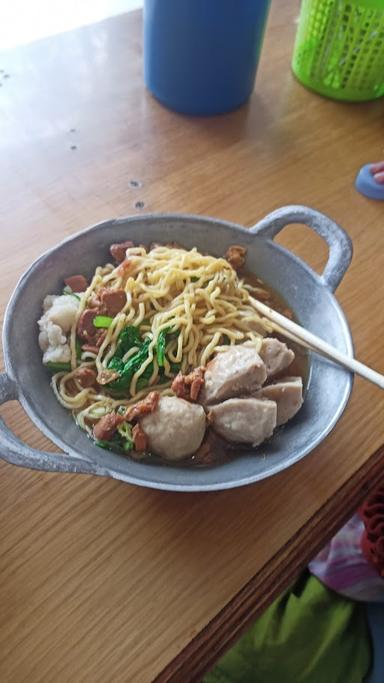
[(200, 56)]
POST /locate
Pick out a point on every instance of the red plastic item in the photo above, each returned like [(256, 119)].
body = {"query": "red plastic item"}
[(372, 542)]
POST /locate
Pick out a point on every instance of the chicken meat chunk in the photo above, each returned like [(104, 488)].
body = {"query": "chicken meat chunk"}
[(60, 310), (175, 429), (233, 372), (288, 395), (244, 420), (59, 314)]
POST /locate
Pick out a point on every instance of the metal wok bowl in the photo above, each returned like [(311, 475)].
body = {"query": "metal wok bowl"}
[(309, 295)]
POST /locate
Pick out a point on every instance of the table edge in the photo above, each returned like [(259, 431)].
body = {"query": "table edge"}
[(201, 653)]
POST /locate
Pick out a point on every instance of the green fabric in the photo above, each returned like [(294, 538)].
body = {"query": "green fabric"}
[(309, 635)]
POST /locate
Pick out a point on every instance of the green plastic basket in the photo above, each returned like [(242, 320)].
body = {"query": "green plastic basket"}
[(339, 48)]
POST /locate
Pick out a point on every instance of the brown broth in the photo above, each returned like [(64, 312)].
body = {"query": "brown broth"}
[(299, 367)]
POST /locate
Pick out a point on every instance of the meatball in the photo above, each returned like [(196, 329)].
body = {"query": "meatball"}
[(288, 394), (244, 420), (276, 355), (175, 429), (233, 372)]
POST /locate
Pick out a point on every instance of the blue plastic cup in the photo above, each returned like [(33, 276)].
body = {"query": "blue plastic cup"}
[(201, 56)]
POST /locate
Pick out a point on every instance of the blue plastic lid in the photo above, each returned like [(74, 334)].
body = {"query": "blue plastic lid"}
[(367, 185)]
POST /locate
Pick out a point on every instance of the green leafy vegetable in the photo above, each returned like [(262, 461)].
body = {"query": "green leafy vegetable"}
[(116, 364), (125, 432), (161, 343), (144, 378), (128, 338), (103, 321), (58, 367), (160, 346), (162, 378), (194, 279), (128, 369), (78, 349), (104, 444), (121, 442)]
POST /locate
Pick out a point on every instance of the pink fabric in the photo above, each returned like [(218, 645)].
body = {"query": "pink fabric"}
[(343, 565)]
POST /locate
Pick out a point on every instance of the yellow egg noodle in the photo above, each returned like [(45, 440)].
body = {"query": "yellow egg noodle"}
[(199, 298)]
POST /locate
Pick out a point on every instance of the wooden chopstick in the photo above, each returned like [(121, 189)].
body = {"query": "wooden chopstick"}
[(301, 336)]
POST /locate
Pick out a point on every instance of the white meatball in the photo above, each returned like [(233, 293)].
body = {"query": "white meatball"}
[(233, 372), (175, 429), (244, 420), (288, 394), (276, 355)]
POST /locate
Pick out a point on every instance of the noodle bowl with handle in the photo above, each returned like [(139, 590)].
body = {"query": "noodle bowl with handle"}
[(308, 294)]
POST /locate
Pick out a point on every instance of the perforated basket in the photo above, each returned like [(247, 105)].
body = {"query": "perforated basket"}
[(339, 48)]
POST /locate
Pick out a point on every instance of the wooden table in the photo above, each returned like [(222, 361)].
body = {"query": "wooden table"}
[(101, 581)]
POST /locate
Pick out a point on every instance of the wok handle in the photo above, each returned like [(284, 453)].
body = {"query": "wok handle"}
[(15, 452), (339, 243)]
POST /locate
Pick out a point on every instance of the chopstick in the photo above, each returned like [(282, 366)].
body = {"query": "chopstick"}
[(310, 341)]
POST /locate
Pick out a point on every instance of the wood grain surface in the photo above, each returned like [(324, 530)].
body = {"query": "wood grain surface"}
[(101, 581)]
